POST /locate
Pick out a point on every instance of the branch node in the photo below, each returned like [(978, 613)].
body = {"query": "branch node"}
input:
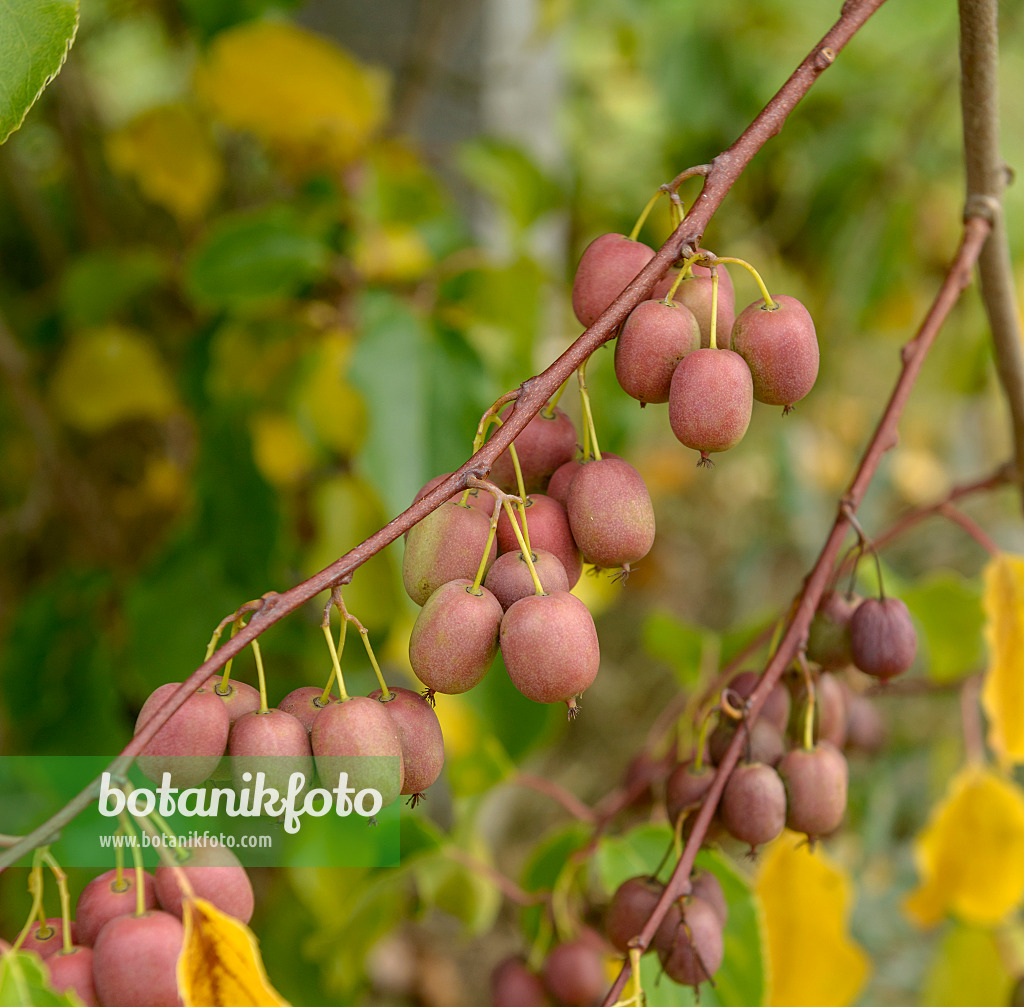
[(824, 57), (986, 207)]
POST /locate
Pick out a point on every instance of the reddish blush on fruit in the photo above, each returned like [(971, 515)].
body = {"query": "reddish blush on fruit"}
[(652, 341), (420, 734), (135, 960), (548, 525), (105, 897), (608, 264), (215, 874), (543, 445), (695, 293)]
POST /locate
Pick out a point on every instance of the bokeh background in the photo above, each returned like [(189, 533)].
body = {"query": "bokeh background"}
[(262, 266)]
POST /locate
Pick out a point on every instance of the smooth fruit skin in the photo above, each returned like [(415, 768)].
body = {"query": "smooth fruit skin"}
[(698, 948), (652, 341), (631, 907), (815, 781), (51, 942), (514, 985), (610, 513), (74, 971), (608, 264), (574, 972), (190, 744), (753, 804), (780, 347), (509, 579), (883, 641), (695, 293), (828, 640), (543, 445), (101, 901), (455, 637), (345, 734), (711, 400), (215, 874), (446, 545), (420, 734), (686, 787), (548, 525), (135, 961), (304, 704), (549, 643), (273, 743), (704, 885)]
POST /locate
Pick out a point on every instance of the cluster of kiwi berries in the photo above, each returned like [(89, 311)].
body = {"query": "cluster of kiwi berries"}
[(311, 731), (491, 577), (687, 346), (122, 947)]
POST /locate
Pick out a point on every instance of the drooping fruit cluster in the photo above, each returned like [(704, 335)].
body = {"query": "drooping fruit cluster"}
[(481, 592), (668, 351), (123, 958), (572, 975)]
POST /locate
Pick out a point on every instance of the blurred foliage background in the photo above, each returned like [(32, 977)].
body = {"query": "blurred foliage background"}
[(263, 267)]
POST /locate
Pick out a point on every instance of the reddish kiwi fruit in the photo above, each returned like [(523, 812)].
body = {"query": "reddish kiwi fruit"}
[(549, 643), (135, 960), (104, 897), (610, 513), (828, 641), (558, 484), (764, 741), (215, 874), (305, 704), (476, 497), (706, 886), (781, 349), (420, 734), (509, 577), (865, 728), (574, 972), (47, 938), (630, 909), (455, 637), (608, 264), (652, 341), (72, 970), (829, 711), (274, 743), (695, 293), (686, 788), (514, 985), (446, 545), (710, 401), (777, 704), (345, 733), (815, 781), (239, 697), (883, 641), (697, 947), (545, 443), (548, 525), (753, 806), (190, 744)]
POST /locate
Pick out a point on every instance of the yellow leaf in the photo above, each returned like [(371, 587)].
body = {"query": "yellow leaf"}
[(392, 253), (295, 90), (806, 900), (970, 855), (108, 375), (1003, 693), (170, 155), (328, 402), (220, 963), (281, 452)]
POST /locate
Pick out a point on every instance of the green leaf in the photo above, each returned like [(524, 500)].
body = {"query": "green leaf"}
[(451, 886), (100, 285), (251, 260), (550, 854), (681, 646), (967, 971), (24, 982), (639, 852), (212, 16), (35, 36), (475, 771), (947, 608)]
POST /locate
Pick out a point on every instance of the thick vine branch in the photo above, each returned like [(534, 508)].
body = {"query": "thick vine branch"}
[(987, 177), (976, 230), (719, 178)]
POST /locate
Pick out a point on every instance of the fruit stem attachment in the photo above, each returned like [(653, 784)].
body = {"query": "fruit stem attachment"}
[(65, 899), (35, 889), (713, 336), (702, 739), (588, 415), (524, 548), (808, 741), (140, 873), (548, 409), (264, 707), (336, 662), (491, 533), (769, 304), (644, 214), (684, 271), (365, 637)]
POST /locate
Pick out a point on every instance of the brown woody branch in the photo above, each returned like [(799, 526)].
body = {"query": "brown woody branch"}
[(719, 178)]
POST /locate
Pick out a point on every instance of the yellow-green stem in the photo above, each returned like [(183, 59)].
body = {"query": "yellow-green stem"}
[(235, 627), (65, 900), (524, 549), (702, 738), (768, 302), (713, 339), (644, 214), (684, 272), (491, 533), (548, 409), (262, 678), (118, 867), (521, 505), (588, 416), (809, 713), (140, 874), (35, 889), (364, 634), (336, 662)]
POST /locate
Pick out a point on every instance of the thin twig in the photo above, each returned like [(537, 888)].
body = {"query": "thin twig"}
[(558, 793), (987, 177)]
